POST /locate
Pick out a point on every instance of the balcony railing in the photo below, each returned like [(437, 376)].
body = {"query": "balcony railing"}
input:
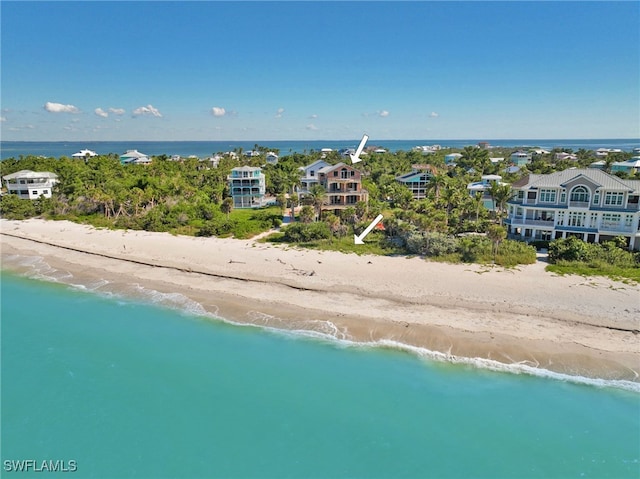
[(579, 204)]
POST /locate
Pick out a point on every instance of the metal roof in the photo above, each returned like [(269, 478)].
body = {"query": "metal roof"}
[(560, 178)]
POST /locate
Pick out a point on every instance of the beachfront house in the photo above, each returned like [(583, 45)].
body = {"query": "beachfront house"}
[(309, 175), (587, 203), (31, 185), (417, 180), (134, 157), (343, 185), (247, 186)]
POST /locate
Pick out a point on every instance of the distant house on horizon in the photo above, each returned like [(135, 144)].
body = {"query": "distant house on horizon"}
[(84, 154), (31, 185), (134, 157)]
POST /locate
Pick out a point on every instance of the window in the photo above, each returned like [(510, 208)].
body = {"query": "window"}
[(531, 195), (335, 173), (610, 220), (35, 193), (45, 192), (312, 173), (596, 198), (579, 193), (547, 196), (613, 198), (353, 173), (24, 192), (560, 218), (628, 219), (563, 196), (576, 218)]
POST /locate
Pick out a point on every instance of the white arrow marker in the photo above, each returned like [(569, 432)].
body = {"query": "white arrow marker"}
[(358, 239), (356, 158)]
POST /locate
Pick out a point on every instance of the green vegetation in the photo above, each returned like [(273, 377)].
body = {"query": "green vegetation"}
[(190, 197), (610, 259)]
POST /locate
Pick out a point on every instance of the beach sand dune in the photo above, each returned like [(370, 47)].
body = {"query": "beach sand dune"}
[(569, 324)]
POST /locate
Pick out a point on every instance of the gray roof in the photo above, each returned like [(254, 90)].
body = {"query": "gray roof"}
[(30, 174), (561, 178)]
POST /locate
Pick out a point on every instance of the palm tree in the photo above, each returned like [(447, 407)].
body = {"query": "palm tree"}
[(227, 206), (437, 183), (317, 195), (496, 234), (503, 194)]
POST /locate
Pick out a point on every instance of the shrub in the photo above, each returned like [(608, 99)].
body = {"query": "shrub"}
[(569, 249), (302, 233), (13, 207)]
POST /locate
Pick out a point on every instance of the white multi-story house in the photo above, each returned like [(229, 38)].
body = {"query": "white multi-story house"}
[(31, 185), (247, 186), (310, 175), (587, 203)]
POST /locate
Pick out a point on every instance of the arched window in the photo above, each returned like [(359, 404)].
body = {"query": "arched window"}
[(579, 193)]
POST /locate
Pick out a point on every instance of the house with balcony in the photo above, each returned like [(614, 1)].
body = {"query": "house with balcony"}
[(309, 175), (417, 180), (520, 158), (343, 185), (31, 185), (587, 203), (483, 186), (247, 186)]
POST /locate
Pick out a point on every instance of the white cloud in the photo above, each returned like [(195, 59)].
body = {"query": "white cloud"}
[(146, 110), (117, 111), (101, 112), (383, 113), (60, 108), (312, 127), (2, 118), (218, 111), (433, 114), (279, 112), (314, 116)]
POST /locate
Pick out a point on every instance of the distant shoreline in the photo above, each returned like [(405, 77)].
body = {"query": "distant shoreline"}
[(59, 148), (569, 325)]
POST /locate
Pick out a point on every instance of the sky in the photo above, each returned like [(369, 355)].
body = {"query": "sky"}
[(108, 71)]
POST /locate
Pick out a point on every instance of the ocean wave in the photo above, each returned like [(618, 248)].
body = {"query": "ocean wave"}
[(35, 267)]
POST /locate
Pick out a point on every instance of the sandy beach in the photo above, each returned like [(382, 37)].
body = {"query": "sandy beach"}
[(573, 325)]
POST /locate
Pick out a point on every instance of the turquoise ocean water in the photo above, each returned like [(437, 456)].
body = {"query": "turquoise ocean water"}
[(127, 388)]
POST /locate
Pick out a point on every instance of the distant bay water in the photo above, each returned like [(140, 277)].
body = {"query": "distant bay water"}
[(201, 149), (130, 388)]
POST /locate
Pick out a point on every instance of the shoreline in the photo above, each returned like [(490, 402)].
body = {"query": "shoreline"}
[(567, 325)]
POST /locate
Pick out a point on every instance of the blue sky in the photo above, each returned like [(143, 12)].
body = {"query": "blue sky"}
[(319, 70)]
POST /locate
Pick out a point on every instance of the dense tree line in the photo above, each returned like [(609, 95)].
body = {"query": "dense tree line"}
[(191, 197)]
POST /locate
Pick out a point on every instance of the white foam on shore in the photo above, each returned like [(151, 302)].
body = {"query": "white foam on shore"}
[(322, 330)]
